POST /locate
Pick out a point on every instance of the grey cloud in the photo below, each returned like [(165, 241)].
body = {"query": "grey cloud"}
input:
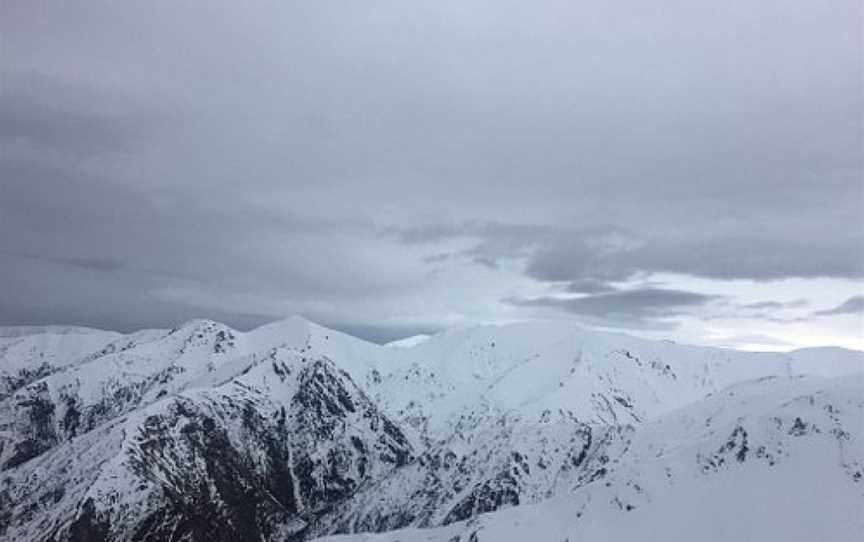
[(496, 233), (734, 256), (437, 258), (769, 311), (637, 304), (853, 305), (96, 264), (771, 305), (50, 113), (243, 151), (491, 263), (79, 248), (602, 254), (589, 287)]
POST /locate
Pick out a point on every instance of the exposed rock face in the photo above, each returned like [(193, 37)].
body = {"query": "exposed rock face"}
[(508, 461), (258, 456)]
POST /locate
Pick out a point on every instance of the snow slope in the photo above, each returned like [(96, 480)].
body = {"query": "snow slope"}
[(789, 469), (293, 430)]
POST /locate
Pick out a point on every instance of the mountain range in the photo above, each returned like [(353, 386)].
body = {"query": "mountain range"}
[(540, 431)]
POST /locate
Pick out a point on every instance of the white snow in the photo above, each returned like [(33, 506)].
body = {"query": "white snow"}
[(662, 414)]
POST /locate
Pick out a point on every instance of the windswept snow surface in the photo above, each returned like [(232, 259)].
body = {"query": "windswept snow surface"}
[(541, 431)]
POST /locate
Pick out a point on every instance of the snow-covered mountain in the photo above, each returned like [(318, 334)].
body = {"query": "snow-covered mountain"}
[(294, 431)]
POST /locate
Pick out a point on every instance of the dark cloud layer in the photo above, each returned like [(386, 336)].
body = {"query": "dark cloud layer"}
[(773, 305), (397, 166), (853, 305), (54, 114), (561, 253), (759, 256), (625, 305)]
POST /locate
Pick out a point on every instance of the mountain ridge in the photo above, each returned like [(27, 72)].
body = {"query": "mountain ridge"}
[(293, 430)]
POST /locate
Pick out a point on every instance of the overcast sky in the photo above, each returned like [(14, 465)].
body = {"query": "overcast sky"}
[(681, 169)]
